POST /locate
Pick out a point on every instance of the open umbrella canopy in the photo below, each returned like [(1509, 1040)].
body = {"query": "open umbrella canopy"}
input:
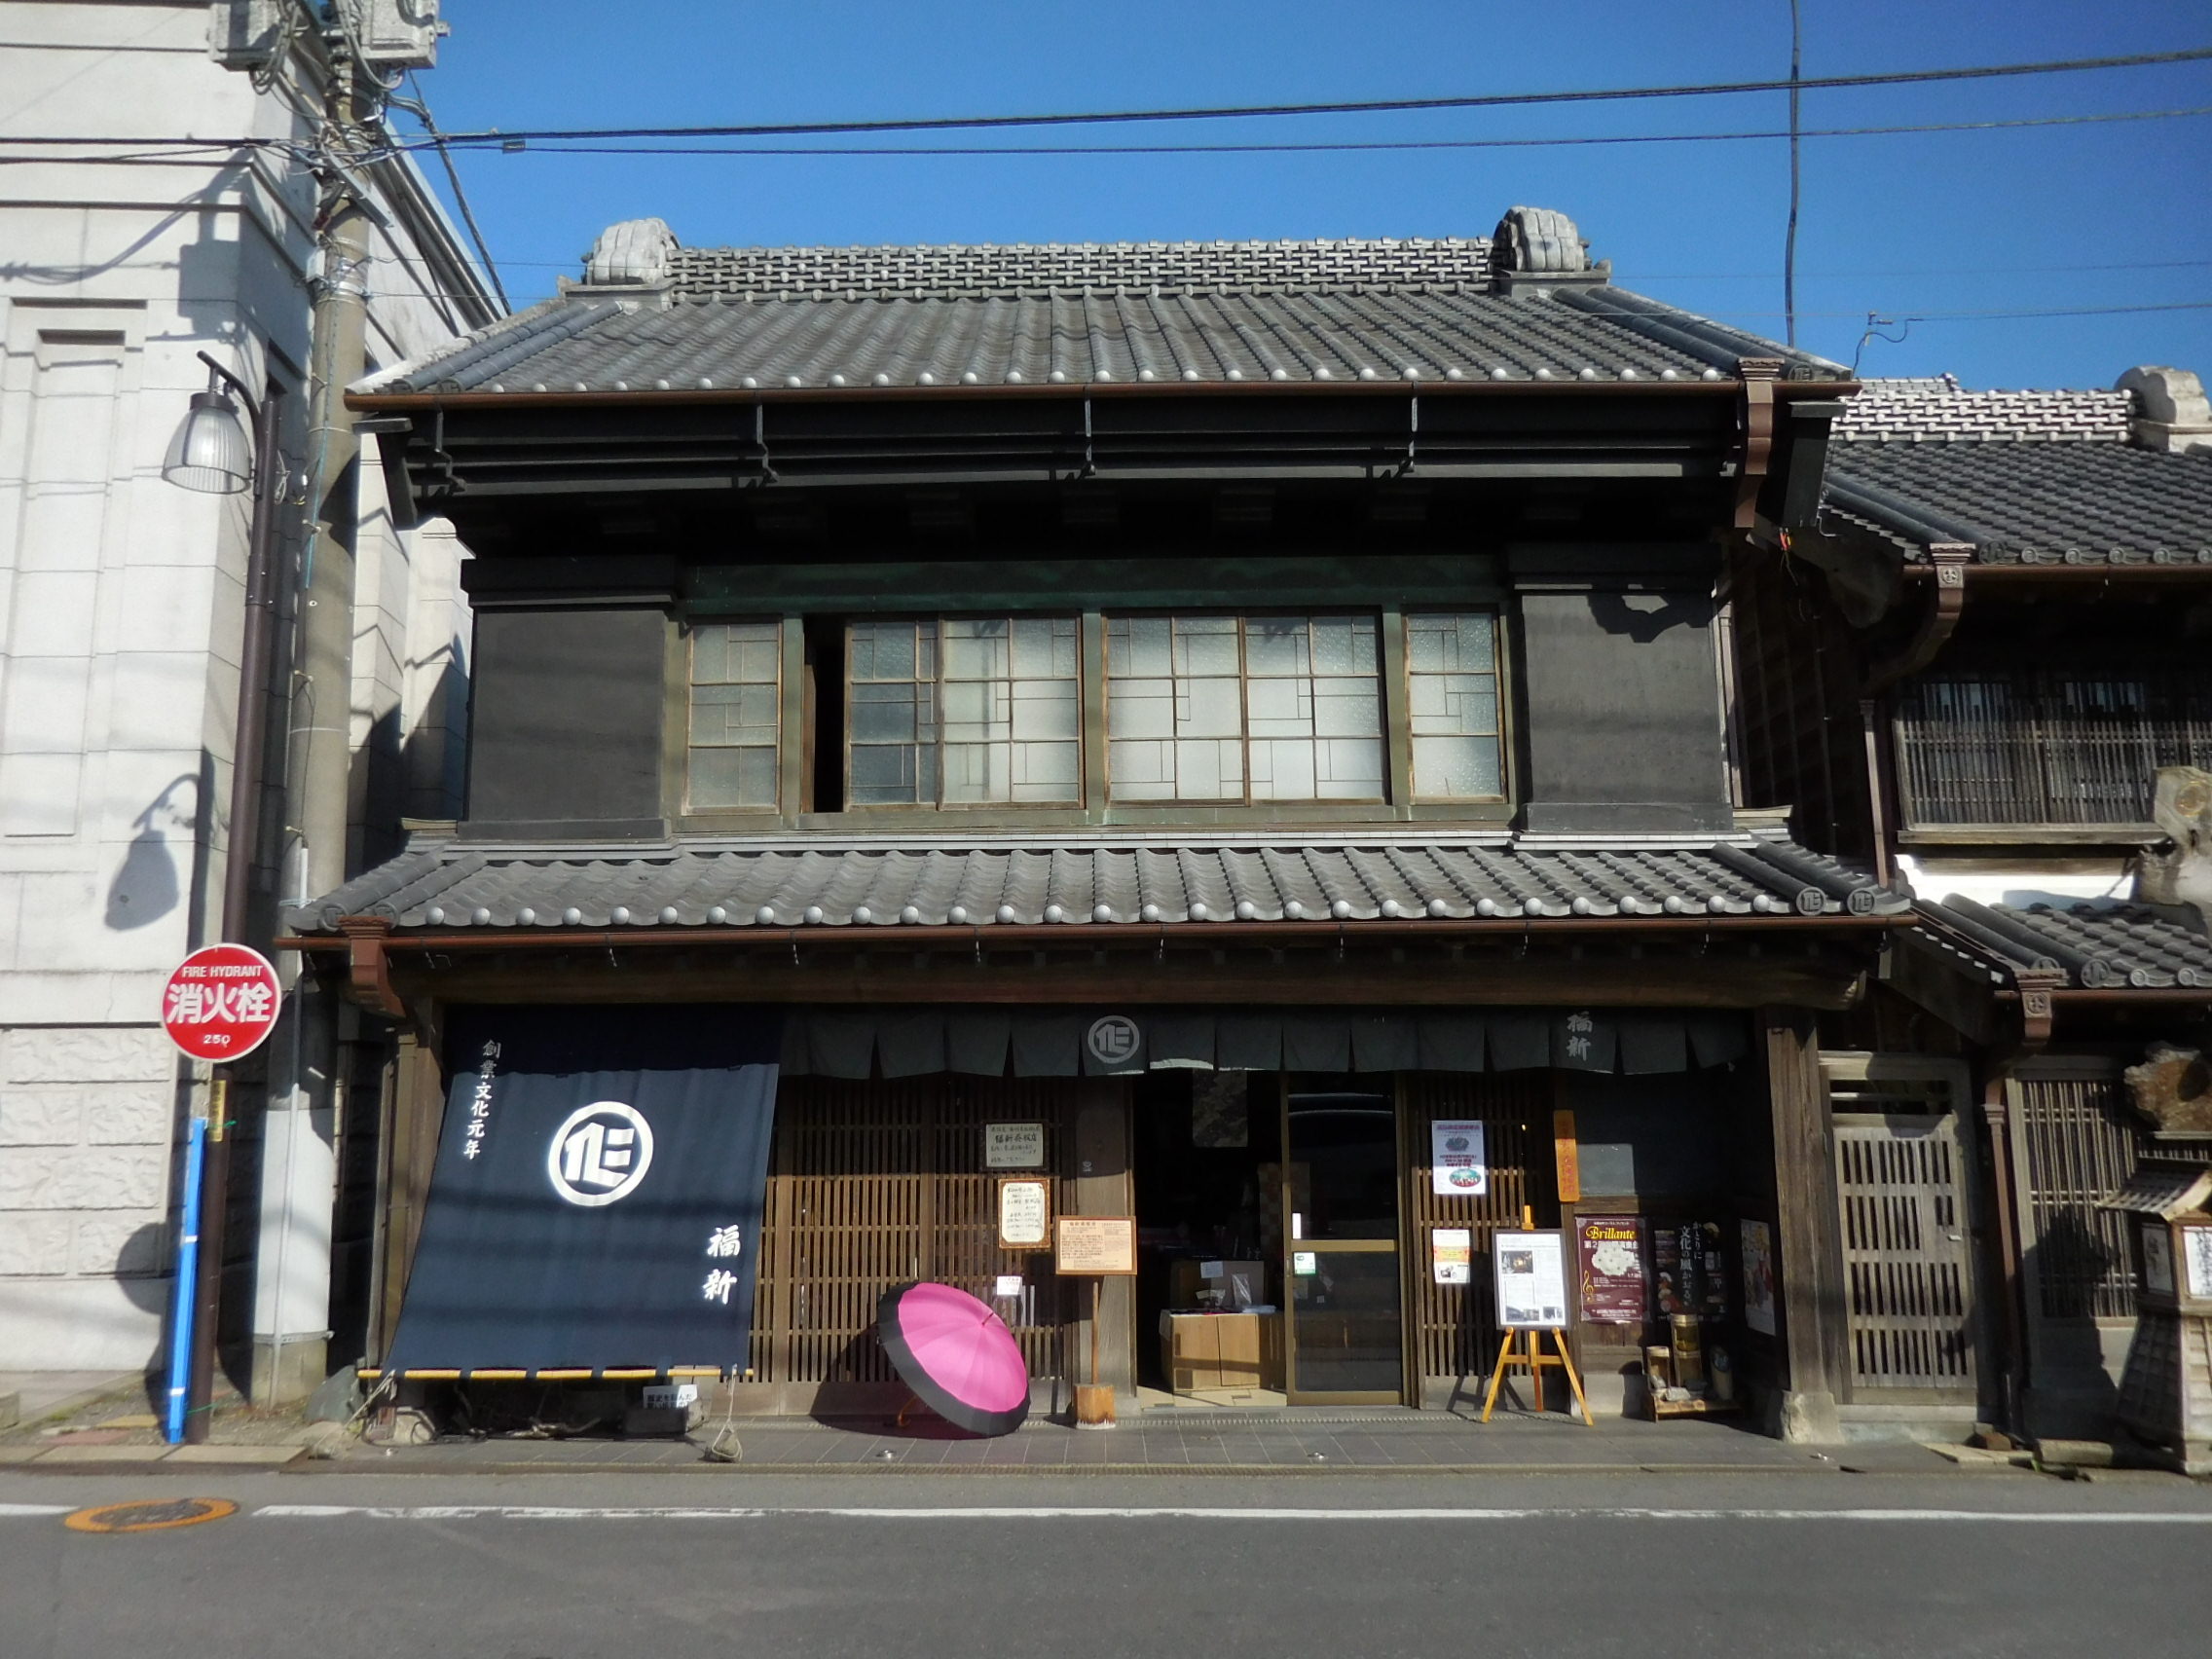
[(956, 1354)]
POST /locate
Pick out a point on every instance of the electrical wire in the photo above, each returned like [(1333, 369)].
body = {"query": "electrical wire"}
[(417, 106), (1789, 236), (1375, 106), (1343, 146)]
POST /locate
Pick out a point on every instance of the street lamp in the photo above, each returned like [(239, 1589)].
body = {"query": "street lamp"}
[(212, 454)]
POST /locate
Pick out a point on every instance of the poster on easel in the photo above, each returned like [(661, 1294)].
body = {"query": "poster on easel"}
[(1530, 1270)]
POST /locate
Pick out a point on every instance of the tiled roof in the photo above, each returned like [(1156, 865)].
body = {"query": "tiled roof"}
[(1941, 411), (2098, 946), (818, 883), (2093, 502), (741, 319), (946, 272)]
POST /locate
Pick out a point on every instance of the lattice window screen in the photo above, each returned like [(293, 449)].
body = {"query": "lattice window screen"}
[(2075, 1146), (1453, 1327), (871, 1184)]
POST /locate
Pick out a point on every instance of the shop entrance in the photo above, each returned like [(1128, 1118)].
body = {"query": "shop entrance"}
[(1344, 1340)]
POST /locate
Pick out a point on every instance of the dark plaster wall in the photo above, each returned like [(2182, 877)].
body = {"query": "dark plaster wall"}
[(565, 726), (1622, 710)]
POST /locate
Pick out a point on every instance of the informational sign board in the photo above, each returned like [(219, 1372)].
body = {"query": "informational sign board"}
[(1099, 1244), (1566, 1157), (1013, 1146), (2196, 1261), (1025, 1212), (1616, 1275), (1457, 1167), (1452, 1254), (1531, 1281), (1758, 1276), (221, 1002)]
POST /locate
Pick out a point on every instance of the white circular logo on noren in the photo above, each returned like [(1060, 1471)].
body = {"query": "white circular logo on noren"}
[(599, 1154), (1115, 1040)]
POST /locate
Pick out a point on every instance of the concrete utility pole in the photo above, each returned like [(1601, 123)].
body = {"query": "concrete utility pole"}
[(299, 1169)]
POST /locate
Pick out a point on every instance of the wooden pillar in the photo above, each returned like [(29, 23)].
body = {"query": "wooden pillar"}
[(1103, 1187), (416, 1119), (1808, 1245)]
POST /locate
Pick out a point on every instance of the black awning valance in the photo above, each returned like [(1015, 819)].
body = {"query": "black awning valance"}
[(1104, 1041)]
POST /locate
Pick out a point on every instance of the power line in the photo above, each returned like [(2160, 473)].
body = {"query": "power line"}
[(1994, 315), (1375, 106), (420, 109), (1340, 146), (185, 149), (1789, 236)]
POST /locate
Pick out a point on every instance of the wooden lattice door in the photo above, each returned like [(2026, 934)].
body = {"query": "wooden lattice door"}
[(871, 1184), (1906, 1257), (1451, 1327)]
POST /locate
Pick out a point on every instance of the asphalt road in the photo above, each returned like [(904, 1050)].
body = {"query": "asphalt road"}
[(672, 1567)]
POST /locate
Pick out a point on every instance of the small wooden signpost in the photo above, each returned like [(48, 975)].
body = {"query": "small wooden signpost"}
[(1098, 1247), (1530, 1271)]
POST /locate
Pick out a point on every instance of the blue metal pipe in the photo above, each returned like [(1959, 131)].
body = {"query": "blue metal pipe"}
[(187, 1282)]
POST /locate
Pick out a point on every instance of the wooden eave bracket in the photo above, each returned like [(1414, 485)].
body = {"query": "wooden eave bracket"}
[(1940, 610), (2035, 985), (368, 964), (1759, 377)]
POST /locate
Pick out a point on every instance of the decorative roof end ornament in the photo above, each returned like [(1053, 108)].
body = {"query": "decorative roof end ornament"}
[(632, 254), (1539, 248)]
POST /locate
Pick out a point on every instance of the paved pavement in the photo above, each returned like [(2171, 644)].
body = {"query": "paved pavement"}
[(1301, 1441), (573, 1567)]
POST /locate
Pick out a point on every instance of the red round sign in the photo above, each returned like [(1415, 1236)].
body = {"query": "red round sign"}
[(222, 1001)]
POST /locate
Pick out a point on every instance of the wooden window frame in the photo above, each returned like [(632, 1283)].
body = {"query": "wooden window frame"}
[(678, 745), (1503, 734), (1393, 779), (1072, 803)]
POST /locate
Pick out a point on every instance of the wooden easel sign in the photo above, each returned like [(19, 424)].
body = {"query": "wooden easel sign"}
[(1529, 1269)]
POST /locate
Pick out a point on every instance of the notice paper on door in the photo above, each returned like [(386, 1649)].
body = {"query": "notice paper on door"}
[(1452, 1254), (1457, 1167)]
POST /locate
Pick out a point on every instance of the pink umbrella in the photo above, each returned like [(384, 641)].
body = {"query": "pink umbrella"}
[(956, 1354)]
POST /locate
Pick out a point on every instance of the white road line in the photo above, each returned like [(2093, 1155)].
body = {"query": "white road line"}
[(543, 1512), (8, 1510)]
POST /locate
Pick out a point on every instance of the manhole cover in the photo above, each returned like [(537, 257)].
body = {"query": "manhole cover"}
[(151, 1515)]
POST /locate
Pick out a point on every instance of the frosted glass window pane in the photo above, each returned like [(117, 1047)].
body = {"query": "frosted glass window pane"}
[(734, 722), (1348, 708), (940, 697), (1208, 707), (1283, 771), (1209, 770), (1265, 694), (1275, 645), (1141, 771), (1046, 709), (1141, 708), (1451, 691), (1139, 645), (1457, 766)]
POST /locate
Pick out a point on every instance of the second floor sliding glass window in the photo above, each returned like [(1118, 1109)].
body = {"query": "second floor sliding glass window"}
[(963, 710), (1244, 709), (1451, 690), (735, 670)]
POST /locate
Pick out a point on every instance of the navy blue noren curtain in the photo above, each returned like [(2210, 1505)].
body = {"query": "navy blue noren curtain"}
[(598, 1191)]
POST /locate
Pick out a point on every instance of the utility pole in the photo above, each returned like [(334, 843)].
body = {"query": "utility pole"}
[(298, 1176)]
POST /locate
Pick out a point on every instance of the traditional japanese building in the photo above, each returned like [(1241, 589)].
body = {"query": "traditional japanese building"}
[(1973, 674), (1235, 729)]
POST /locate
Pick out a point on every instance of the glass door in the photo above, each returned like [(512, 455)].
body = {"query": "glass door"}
[(1344, 1343)]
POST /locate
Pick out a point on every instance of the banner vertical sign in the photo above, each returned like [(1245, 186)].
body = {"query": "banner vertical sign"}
[(598, 1191)]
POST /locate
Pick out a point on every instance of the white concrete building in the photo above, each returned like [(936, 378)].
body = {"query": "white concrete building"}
[(121, 606)]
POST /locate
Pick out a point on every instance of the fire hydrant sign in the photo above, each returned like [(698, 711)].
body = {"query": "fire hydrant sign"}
[(221, 1002)]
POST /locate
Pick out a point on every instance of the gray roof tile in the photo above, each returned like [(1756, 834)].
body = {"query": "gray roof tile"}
[(446, 885), (738, 320), (2099, 946), (2030, 503)]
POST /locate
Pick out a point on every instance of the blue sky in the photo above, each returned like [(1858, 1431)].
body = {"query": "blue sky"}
[(2051, 219)]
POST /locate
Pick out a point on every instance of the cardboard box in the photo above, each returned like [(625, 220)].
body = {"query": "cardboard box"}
[(1205, 1352), (1205, 1283)]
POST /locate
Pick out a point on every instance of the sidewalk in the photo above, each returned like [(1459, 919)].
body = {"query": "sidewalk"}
[(1319, 1442)]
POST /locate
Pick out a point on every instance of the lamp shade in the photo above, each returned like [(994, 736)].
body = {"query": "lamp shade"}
[(209, 452)]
